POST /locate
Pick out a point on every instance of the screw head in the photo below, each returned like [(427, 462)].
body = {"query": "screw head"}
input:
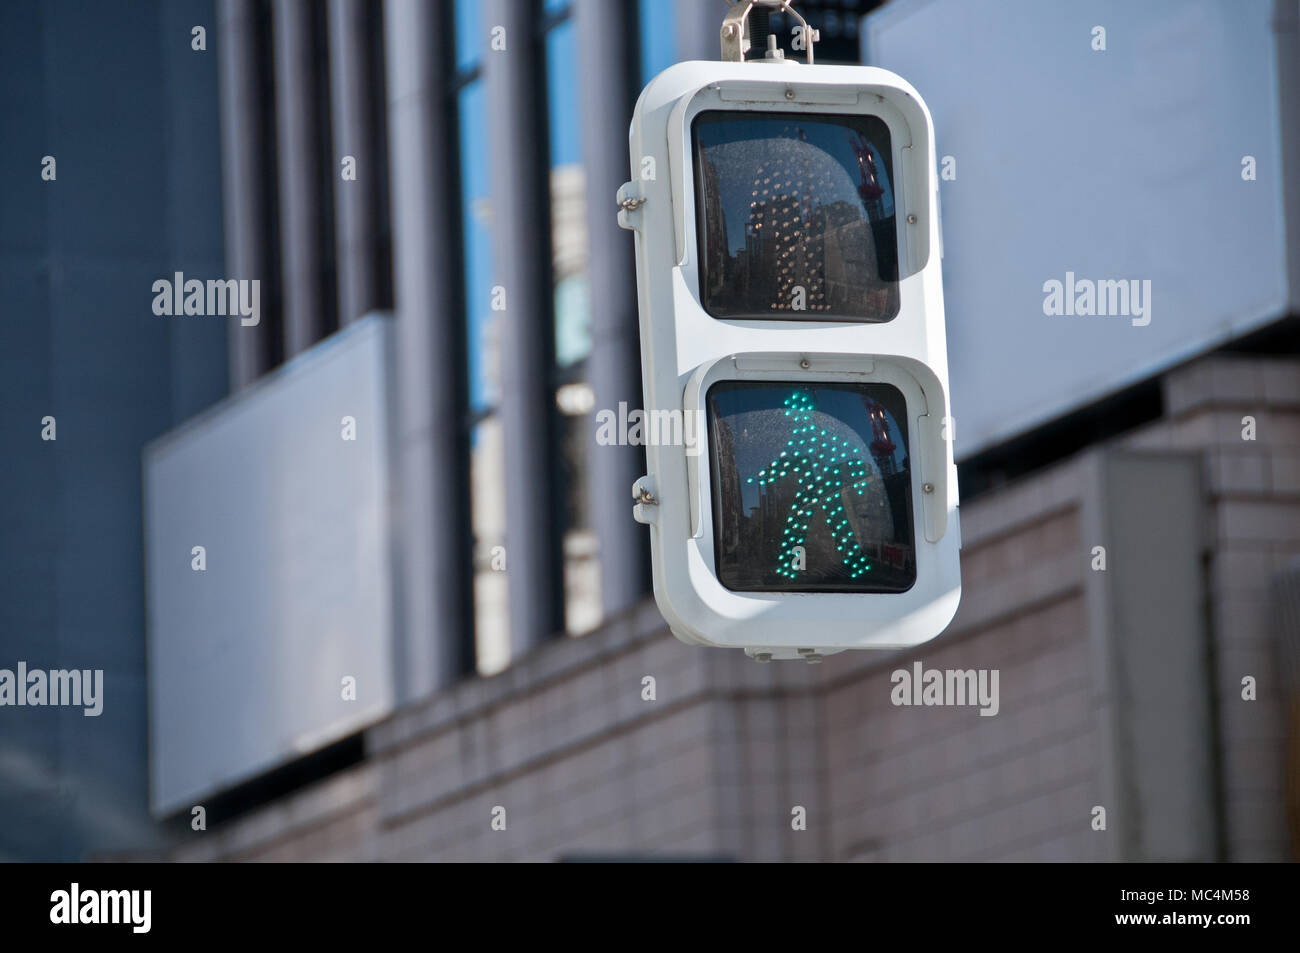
[(927, 487), (729, 30), (805, 364), (789, 93), (911, 220)]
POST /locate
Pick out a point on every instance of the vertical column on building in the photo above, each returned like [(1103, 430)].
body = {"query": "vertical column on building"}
[(431, 446), (1286, 34), (608, 59), (305, 223), (358, 140), (698, 29), (1152, 665), (520, 176), (247, 135)]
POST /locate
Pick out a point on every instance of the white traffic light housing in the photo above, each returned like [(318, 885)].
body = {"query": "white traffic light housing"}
[(801, 495)]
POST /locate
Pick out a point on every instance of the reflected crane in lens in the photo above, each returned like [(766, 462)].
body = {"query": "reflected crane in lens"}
[(869, 188), (823, 466)]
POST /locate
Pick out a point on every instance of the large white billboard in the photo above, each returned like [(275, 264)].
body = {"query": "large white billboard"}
[(270, 619), (1111, 186)]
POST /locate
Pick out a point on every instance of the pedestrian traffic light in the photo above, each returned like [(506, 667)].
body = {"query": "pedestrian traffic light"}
[(786, 223)]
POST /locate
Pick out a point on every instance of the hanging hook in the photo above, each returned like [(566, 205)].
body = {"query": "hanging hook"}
[(735, 28)]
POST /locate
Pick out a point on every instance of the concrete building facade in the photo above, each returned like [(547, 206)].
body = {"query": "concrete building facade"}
[(1100, 704)]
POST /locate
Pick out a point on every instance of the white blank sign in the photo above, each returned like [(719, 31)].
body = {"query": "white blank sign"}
[(1114, 164), (247, 657)]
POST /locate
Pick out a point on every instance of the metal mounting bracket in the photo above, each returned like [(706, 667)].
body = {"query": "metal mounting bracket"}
[(735, 30)]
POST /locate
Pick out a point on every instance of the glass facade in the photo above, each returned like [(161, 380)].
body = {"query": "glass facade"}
[(657, 21), (475, 216), (556, 33), (568, 193)]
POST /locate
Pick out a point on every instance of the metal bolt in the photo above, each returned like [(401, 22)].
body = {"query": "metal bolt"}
[(729, 30), (789, 93), (927, 487), (911, 220), (641, 493), (805, 364)]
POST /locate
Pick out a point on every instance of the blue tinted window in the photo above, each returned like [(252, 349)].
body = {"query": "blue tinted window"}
[(657, 32), (475, 192), (564, 112), (470, 39), (568, 196)]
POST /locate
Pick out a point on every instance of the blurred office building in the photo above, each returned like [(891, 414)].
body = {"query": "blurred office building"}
[(364, 584)]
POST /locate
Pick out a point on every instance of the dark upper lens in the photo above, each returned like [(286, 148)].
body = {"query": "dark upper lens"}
[(795, 217)]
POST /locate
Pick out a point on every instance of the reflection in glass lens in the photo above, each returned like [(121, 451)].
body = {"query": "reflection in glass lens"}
[(796, 217), (811, 487)]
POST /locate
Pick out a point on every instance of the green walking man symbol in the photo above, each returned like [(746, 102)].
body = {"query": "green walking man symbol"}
[(823, 466)]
